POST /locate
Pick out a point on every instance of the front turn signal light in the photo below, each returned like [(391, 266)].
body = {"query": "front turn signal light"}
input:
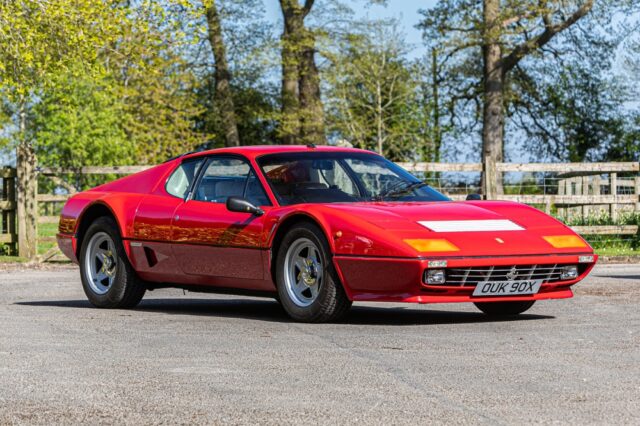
[(435, 245), (565, 241)]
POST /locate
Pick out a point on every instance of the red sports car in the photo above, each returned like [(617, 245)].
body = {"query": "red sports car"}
[(317, 228)]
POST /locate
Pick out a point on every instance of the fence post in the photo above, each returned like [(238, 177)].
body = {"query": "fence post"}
[(27, 201), (562, 190), (637, 192), (9, 215), (613, 185), (490, 178), (597, 191), (585, 191)]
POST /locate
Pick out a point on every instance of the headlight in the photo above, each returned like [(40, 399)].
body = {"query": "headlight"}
[(435, 276), (565, 241), (569, 272), (435, 245)]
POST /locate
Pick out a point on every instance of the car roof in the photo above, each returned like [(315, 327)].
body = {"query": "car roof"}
[(254, 151)]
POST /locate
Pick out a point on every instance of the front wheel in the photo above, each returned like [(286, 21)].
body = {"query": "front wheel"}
[(308, 286), (108, 279), (504, 308)]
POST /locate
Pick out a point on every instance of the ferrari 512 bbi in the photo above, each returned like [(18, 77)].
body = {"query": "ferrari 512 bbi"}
[(317, 228)]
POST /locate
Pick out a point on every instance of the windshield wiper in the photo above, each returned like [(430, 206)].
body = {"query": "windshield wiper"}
[(399, 189)]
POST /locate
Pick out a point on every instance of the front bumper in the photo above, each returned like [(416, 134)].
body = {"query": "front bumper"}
[(400, 279)]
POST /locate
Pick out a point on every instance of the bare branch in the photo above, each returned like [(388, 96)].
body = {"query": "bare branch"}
[(308, 4), (543, 38), (516, 19), (58, 181)]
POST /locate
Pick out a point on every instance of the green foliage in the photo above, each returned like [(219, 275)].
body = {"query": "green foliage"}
[(374, 97), (625, 218), (256, 112), (528, 186), (41, 38), (99, 82), (626, 145), (612, 245), (79, 123), (155, 83)]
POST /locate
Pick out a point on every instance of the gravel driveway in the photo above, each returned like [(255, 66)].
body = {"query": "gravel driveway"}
[(221, 359)]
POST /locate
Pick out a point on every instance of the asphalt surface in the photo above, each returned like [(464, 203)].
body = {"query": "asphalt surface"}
[(195, 358)]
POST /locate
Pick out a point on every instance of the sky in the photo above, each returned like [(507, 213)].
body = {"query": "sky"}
[(404, 10)]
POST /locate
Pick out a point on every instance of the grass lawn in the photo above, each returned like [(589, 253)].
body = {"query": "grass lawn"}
[(618, 251), (12, 259), (46, 230)]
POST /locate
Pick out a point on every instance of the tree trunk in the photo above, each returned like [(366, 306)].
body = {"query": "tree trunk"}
[(224, 95), (312, 113), (26, 193), (293, 24), (437, 131), (379, 119), (302, 113), (493, 120)]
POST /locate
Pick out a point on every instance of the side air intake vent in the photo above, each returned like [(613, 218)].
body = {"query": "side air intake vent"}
[(152, 260)]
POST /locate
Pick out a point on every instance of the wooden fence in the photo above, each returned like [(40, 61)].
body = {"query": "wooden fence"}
[(8, 230), (573, 179), (569, 194)]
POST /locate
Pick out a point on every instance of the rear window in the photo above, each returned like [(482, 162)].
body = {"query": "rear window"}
[(182, 178)]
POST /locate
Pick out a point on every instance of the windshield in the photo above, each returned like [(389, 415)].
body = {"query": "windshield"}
[(321, 177)]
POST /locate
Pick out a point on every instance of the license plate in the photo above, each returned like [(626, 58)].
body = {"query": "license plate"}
[(507, 288)]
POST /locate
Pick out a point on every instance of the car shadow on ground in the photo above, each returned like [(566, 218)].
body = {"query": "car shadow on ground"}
[(269, 310), (620, 277)]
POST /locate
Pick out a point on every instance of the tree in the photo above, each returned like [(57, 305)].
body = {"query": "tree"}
[(78, 123), (90, 81), (224, 95), (375, 99), (38, 40), (155, 83), (302, 111), (626, 146), (507, 33), (578, 115), (243, 77)]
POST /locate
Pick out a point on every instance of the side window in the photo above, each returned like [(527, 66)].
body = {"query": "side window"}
[(182, 177), (223, 178), (229, 177), (255, 193)]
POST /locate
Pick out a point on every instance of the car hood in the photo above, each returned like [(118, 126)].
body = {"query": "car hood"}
[(482, 228)]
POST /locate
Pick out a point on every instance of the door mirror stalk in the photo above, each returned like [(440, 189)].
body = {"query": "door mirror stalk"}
[(241, 205)]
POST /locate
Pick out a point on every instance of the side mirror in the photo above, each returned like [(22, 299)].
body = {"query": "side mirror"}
[(240, 205), (474, 197)]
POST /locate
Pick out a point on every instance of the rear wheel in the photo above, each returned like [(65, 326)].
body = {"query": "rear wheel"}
[(308, 286), (108, 279), (504, 308)]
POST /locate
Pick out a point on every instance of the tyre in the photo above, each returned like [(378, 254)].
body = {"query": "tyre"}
[(108, 279), (308, 286), (504, 308)]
